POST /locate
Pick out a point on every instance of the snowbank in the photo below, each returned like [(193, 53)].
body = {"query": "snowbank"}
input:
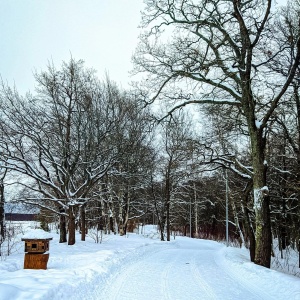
[(75, 272)]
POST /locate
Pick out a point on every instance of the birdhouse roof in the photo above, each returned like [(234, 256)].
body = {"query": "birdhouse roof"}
[(37, 234)]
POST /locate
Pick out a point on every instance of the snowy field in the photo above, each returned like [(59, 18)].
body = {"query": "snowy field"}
[(139, 266)]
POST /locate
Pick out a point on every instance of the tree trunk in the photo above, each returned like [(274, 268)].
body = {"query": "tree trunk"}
[(237, 221), (62, 229), (160, 222), (124, 213), (263, 236), (296, 95), (168, 221), (2, 214), (283, 239), (162, 229), (167, 203), (71, 227), (83, 222), (247, 221), (196, 212)]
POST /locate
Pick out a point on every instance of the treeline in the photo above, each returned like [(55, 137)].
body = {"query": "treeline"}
[(241, 59), (92, 155)]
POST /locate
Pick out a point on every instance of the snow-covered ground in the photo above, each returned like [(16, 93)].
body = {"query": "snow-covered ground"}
[(141, 267)]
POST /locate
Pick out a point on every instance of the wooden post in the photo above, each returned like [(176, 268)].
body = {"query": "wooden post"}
[(36, 261)]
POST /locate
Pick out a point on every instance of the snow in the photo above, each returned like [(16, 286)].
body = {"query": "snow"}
[(257, 198), (265, 190), (258, 124), (140, 266), (258, 194), (37, 234)]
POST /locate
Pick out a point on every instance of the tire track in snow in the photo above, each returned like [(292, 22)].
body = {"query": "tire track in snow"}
[(126, 283), (117, 286), (160, 275), (165, 285), (181, 277), (218, 281), (253, 289), (198, 277), (173, 273)]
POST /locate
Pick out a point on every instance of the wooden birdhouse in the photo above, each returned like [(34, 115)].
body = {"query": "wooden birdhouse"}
[(36, 244)]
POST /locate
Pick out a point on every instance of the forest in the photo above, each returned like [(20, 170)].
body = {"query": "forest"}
[(208, 136)]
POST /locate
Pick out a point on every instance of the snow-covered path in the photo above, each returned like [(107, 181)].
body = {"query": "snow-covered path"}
[(190, 270), (140, 266)]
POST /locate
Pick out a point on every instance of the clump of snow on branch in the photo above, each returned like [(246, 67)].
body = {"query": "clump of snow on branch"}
[(258, 195)]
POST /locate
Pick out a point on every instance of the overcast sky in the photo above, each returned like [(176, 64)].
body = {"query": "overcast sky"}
[(103, 33)]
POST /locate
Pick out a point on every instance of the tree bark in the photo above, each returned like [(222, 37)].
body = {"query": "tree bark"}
[(247, 221), (263, 236), (124, 213), (83, 222), (71, 227), (196, 211), (160, 220), (2, 213), (62, 229), (168, 200), (297, 98), (236, 221)]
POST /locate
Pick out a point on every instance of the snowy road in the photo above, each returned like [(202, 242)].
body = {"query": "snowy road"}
[(140, 266), (191, 270)]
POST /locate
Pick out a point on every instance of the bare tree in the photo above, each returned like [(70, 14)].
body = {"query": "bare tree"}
[(2, 202), (172, 168), (61, 138), (134, 152), (284, 145), (215, 56)]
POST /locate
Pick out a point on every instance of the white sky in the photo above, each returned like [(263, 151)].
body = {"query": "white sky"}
[(104, 33)]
